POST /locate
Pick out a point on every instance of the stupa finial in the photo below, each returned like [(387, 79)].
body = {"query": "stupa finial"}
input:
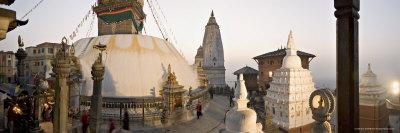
[(20, 42), (241, 98), (290, 42), (369, 67), (169, 68), (212, 13)]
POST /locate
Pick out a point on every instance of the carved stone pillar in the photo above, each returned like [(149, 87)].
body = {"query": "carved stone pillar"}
[(61, 66), (347, 64), (96, 99), (21, 55)]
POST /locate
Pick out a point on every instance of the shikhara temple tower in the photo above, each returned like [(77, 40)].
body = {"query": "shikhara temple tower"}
[(120, 16), (287, 98), (213, 63)]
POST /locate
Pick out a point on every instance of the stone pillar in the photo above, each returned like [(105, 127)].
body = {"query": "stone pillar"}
[(21, 55), (62, 68), (96, 101), (347, 64)]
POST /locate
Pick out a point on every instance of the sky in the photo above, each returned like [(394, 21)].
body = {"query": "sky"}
[(248, 28)]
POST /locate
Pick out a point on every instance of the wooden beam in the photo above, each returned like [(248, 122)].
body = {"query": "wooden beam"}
[(347, 74)]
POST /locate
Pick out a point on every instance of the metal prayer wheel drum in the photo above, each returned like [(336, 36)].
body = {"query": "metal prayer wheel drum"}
[(322, 104)]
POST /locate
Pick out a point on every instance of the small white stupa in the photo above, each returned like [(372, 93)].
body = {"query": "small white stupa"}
[(241, 119), (287, 98)]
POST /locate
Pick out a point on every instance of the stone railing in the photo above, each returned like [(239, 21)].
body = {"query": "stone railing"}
[(145, 110)]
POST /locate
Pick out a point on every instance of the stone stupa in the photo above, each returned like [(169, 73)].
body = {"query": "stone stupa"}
[(373, 110), (241, 119), (287, 98)]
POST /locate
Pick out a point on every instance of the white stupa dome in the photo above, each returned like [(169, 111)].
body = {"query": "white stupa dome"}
[(291, 60), (135, 65)]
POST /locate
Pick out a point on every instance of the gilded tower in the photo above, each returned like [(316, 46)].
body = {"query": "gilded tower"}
[(120, 16), (213, 63)]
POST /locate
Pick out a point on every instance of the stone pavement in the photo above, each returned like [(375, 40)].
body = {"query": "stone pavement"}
[(211, 121)]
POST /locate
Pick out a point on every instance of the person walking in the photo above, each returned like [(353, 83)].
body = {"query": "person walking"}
[(198, 109), (112, 126), (85, 121)]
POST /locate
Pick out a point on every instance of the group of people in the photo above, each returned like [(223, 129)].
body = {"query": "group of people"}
[(111, 125)]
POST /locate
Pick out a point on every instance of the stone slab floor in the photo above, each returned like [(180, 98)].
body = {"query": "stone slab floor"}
[(211, 121)]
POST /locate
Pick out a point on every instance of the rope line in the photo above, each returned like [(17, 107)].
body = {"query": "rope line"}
[(153, 12), (31, 10)]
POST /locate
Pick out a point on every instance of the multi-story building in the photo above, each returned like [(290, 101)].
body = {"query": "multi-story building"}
[(8, 67), (38, 61)]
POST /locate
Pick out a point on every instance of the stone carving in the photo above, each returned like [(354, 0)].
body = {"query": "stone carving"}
[(97, 76), (62, 68), (322, 104)]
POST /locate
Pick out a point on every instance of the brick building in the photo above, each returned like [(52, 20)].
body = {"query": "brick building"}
[(250, 76)]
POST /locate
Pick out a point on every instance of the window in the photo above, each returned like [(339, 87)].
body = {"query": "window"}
[(34, 51), (42, 50), (9, 63), (281, 114), (41, 63), (50, 50)]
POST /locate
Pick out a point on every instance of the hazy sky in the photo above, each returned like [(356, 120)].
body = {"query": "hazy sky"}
[(248, 27)]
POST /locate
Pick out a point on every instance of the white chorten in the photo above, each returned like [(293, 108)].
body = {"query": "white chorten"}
[(287, 98), (241, 119), (371, 91)]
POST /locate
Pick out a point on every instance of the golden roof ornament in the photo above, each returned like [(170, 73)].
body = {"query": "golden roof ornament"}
[(171, 77)]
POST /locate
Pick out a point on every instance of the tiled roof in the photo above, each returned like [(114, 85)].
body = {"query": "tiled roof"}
[(282, 52), (246, 70)]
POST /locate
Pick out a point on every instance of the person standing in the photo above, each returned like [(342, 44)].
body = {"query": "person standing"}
[(231, 94), (112, 126), (198, 109), (85, 121), (211, 92), (125, 121)]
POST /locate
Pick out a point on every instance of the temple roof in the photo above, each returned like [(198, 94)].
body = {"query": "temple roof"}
[(200, 53), (282, 52), (246, 70), (212, 20)]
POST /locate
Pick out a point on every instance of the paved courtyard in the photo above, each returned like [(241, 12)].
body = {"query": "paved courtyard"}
[(211, 121)]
